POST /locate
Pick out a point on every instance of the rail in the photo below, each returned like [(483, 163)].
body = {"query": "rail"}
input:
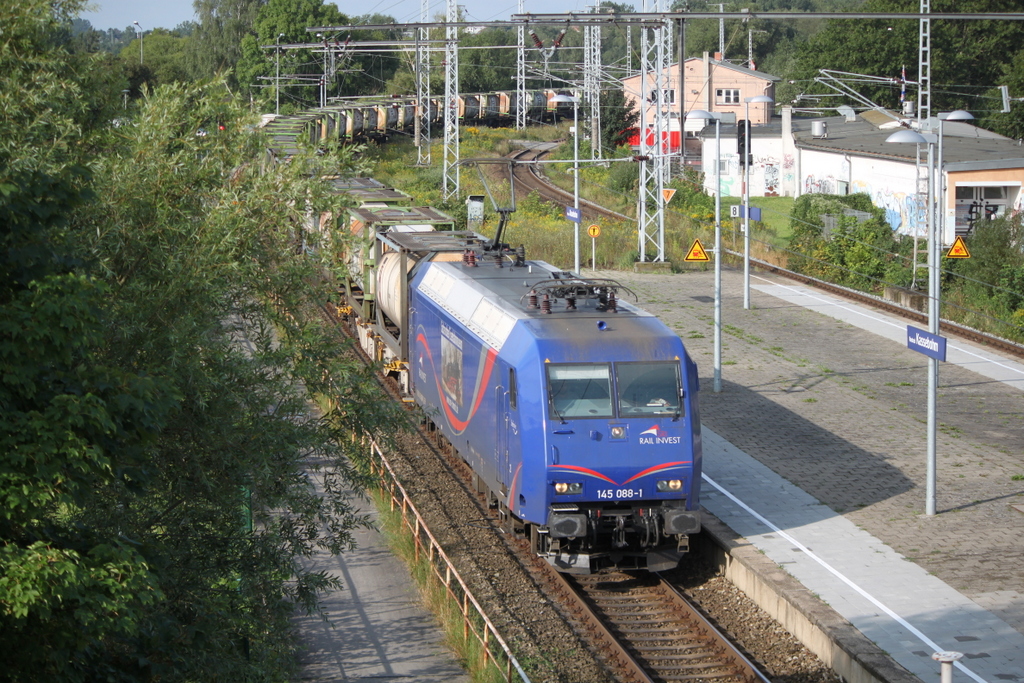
[(474, 621)]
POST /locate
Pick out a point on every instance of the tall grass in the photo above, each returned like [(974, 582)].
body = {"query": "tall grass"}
[(538, 225)]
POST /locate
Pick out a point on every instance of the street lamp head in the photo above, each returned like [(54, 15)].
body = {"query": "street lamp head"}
[(958, 115), (907, 136), (701, 114), (758, 99)]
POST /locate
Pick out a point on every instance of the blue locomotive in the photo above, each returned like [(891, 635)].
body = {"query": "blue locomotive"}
[(577, 411)]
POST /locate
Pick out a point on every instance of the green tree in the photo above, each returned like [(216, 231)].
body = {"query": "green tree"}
[(216, 43), (160, 341), (964, 52), (163, 58), (618, 120), (210, 290), (70, 422), (488, 70)]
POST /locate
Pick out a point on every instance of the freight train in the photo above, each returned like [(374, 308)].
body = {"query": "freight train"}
[(376, 120), (576, 411)]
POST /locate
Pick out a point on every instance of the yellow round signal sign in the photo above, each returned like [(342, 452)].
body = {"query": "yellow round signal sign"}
[(594, 231)]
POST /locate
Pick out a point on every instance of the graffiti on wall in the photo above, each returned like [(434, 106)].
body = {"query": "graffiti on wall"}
[(905, 213), (816, 185), (772, 182)]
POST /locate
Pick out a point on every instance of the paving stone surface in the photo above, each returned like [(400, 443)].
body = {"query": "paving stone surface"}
[(841, 413)]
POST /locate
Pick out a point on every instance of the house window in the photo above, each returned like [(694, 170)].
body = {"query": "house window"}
[(668, 95), (727, 96), (842, 187)]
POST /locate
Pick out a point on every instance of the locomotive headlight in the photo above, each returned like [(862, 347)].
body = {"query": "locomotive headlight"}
[(568, 488), (670, 485), (618, 432)]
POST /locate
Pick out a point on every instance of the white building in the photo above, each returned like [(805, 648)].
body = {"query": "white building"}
[(983, 171)]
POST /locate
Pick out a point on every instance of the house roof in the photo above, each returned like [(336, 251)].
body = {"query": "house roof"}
[(674, 69), (965, 147), (735, 67)]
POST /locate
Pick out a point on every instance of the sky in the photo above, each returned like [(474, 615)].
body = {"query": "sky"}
[(169, 13)]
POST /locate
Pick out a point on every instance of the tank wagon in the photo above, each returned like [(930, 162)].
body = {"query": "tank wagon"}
[(576, 410)]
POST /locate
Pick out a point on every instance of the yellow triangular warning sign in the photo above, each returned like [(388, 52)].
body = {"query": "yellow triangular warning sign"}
[(697, 252), (668, 193), (959, 249)]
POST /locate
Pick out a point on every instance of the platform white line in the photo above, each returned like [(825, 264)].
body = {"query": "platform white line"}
[(835, 572), (887, 321)]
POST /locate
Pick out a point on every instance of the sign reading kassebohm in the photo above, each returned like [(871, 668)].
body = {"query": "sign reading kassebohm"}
[(927, 343), (572, 213)]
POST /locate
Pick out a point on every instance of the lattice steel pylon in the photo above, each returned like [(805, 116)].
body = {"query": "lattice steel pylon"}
[(423, 88), (655, 50), (924, 76), (592, 84), (521, 72), (451, 103)]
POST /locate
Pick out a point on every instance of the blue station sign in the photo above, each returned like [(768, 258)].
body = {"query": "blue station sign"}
[(572, 213), (927, 343)]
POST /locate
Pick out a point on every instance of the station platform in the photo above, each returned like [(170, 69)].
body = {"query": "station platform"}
[(815, 453)]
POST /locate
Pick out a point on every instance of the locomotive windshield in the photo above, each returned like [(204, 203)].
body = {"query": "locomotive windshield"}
[(584, 390), (648, 388), (579, 390)]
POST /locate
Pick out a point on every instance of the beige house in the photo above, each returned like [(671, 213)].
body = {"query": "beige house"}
[(709, 84)]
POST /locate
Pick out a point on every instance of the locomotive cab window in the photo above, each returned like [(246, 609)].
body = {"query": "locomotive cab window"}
[(579, 390), (648, 389)]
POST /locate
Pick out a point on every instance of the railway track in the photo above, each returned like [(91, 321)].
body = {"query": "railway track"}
[(656, 634), (529, 178)]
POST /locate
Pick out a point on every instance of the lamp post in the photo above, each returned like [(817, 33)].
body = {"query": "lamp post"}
[(565, 99), (935, 183), (759, 99), (706, 115), (142, 35), (277, 75), (323, 81)]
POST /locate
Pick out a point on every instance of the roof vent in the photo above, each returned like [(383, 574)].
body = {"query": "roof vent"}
[(847, 111)]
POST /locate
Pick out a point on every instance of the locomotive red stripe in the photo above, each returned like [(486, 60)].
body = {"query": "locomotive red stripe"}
[(512, 489), (656, 468), (583, 470), (594, 473), (453, 420)]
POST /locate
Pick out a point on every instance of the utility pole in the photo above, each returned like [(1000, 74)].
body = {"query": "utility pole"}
[(521, 72), (451, 102), (142, 35), (656, 49), (423, 89), (592, 83), (277, 74)]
